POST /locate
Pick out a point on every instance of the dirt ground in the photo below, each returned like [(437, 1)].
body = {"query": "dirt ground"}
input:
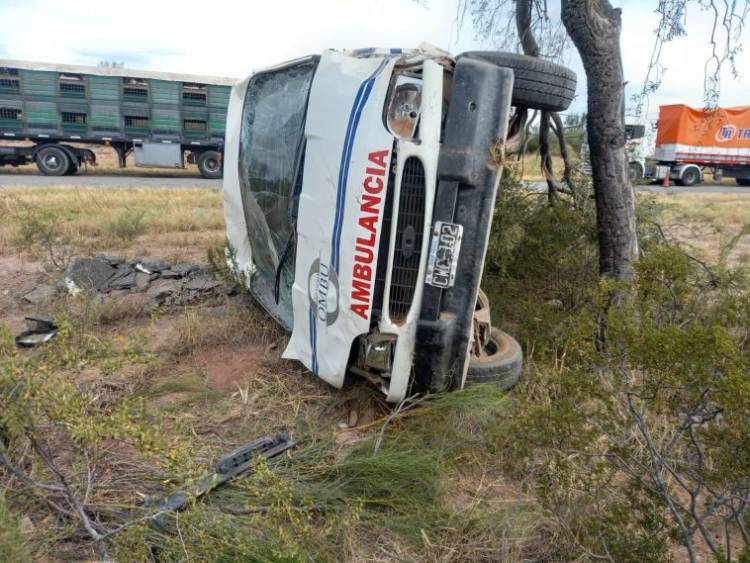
[(215, 377)]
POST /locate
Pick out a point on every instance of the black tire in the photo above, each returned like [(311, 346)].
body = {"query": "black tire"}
[(690, 177), (635, 172), (502, 365), (72, 168), (209, 165), (52, 161), (538, 84), (743, 182)]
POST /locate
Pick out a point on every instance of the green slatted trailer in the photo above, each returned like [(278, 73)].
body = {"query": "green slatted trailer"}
[(164, 119)]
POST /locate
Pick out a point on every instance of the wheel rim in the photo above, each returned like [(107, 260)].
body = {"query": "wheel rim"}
[(51, 161), (212, 165)]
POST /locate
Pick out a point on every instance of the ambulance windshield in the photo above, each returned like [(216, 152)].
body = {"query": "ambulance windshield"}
[(270, 159)]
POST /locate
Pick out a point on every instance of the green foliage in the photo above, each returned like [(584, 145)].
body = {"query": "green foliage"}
[(312, 505), (541, 263), (13, 545), (44, 229), (573, 137), (128, 224), (628, 413)]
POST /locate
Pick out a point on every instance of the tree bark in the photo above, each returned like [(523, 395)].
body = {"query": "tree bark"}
[(594, 26)]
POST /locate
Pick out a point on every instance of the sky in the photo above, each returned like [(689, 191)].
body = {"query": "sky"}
[(234, 37)]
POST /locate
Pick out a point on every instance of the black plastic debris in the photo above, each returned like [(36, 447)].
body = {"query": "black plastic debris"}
[(41, 331), (228, 467)]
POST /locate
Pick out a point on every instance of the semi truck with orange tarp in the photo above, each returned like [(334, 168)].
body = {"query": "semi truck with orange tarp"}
[(690, 141)]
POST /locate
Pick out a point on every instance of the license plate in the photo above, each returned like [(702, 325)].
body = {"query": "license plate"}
[(444, 249)]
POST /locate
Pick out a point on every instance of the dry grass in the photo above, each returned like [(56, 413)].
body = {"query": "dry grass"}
[(724, 211), (217, 380), (143, 220), (529, 167), (710, 223)]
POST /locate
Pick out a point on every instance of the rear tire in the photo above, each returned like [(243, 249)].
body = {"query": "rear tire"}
[(72, 169), (745, 182), (52, 161), (537, 84), (690, 177), (501, 365), (209, 165)]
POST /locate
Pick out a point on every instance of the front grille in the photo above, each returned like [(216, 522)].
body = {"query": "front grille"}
[(409, 227)]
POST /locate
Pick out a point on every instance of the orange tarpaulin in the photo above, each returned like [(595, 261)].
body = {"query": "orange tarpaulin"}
[(723, 127)]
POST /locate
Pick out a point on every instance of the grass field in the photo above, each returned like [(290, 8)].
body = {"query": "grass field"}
[(366, 484), (178, 223)]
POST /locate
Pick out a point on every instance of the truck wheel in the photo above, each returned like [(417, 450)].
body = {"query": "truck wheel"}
[(209, 165), (537, 84), (72, 168), (690, 177), (635, 172), (501, 362), (743, 182), (52, 161)]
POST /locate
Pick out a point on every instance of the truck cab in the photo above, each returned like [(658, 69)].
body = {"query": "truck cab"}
[(359, 194)]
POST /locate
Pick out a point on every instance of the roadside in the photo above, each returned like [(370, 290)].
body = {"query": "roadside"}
[(133, 179), (207, 376)]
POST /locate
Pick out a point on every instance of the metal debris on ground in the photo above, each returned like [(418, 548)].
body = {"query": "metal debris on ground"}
[(41, 331), (161, 282), (228, 467)]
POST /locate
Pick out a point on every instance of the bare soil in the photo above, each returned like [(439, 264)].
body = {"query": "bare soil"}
[(17, 278), (228, 366)]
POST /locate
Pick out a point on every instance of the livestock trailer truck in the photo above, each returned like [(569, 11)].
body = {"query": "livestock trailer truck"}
[(164, 119)]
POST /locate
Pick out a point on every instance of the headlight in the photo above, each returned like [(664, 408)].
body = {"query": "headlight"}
[(404, 108)]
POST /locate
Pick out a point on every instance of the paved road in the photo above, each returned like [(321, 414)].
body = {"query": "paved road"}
[(113, 181), (700, 189)]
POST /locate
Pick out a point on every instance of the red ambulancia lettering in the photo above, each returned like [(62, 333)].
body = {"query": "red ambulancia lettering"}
[(369, 215)]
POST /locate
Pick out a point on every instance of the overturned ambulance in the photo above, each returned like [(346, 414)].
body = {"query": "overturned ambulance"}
[(359, 192)]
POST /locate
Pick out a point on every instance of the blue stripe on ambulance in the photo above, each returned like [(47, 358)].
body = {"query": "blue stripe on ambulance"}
[(359, 103)]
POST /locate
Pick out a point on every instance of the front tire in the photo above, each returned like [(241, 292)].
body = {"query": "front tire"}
[(537, 84), (501, 363), (52, 161), (209, 165), (745, 182)]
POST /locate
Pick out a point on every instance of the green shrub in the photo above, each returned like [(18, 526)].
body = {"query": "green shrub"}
[(128, 224), (13, 545), (632, 420)]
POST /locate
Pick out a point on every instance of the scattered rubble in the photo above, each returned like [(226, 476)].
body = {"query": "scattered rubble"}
[(41, 294), (154, 282)]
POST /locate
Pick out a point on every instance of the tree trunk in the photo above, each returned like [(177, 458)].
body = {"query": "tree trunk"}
[(594, 26)]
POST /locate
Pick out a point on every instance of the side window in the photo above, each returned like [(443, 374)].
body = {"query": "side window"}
[(72, 85), (194, 94), (9, 81), (134, 89), (271, 138)]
